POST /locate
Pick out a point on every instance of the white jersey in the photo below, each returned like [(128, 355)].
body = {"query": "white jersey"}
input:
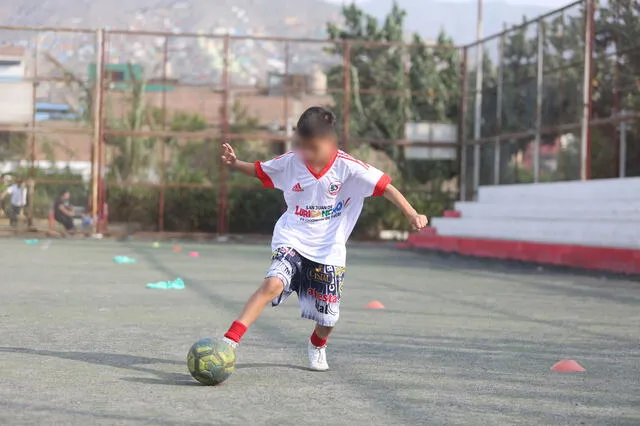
[(18, 195), (322, 208)]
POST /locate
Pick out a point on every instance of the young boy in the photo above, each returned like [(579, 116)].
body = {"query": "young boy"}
[(324, 189)]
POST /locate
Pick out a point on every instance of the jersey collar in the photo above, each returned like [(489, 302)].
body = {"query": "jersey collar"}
[(325, 169)]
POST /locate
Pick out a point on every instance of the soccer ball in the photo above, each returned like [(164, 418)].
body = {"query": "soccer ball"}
[(211, 361)]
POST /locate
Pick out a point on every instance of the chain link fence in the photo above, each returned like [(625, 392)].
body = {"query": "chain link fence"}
[(133, 122)]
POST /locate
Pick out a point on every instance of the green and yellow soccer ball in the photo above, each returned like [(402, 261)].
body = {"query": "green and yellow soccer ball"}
[(211, 361)]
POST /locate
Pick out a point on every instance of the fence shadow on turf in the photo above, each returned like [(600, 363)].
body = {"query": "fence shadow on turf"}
[(122, 361)]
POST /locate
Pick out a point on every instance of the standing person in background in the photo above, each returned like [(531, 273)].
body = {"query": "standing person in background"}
[(63, 211), (18, 192)]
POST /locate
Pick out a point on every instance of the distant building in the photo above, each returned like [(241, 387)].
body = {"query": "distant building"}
[(49, 111), (267, 105), (297, 85), (16, 92), (121, 77), (13, 65)]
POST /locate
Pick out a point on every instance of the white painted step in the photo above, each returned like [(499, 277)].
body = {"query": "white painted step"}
[(623, 234), (594, 190), (617, 210)]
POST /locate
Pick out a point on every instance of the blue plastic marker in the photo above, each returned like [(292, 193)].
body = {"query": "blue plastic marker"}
[(176, 284), (124, 259)]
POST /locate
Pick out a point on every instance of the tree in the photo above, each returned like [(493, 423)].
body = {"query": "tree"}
[(393, 84), (12, 146)]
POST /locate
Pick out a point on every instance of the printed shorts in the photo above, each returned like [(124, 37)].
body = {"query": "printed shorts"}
[(319, 287)]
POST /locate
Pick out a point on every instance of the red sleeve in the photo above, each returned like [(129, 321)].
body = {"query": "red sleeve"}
[(264, 178), (381, 186)]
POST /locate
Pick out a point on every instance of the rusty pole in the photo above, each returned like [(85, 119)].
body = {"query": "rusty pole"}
[(163, 141), (95, 149), (101, 211), (621, 145), (32, 136), (346, 95), (587, 92), (222, 184), (285, 87)]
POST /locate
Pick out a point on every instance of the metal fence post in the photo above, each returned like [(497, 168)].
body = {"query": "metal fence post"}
[(285, 100), (477, 116), (222, 184), (163, 141), (346, 80), (97, 125), (585, 136), (32, 135), (100, 88), (539, 83), (496, 149), (622, 161), (462, 126)]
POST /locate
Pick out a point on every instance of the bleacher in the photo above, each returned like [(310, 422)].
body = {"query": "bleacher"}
[(593, 225)]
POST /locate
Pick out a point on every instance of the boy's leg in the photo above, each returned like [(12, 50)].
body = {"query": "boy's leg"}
[(320, 294), (320, 335), (270, 289), (317, 347), (275, 288)]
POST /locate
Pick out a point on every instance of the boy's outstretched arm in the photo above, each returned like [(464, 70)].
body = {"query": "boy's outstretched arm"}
[(230, 159), (417, 221)]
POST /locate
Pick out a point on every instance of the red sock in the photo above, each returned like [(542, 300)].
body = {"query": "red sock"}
[(317, 341), (236, 331)]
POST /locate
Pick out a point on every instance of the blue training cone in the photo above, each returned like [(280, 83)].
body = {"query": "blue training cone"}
[(124, 259), (31, 242), (176, 284)]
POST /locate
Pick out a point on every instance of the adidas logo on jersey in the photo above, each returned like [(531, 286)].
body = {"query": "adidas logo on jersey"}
[(297, 188)]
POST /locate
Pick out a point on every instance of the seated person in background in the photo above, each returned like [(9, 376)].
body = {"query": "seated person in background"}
[(62, 211)]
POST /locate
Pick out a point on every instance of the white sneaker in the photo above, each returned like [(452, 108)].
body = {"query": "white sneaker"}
[(318, 358), (230, 342)]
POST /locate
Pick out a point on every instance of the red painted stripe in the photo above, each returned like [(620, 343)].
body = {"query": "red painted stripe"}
[(452, 213), (429, 230), (576, 256), (264, 178)]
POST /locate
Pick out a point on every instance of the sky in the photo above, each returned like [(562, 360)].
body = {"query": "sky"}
[(548, 3)]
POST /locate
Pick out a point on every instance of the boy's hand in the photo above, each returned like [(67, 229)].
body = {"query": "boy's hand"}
[(228, 155), (418, 221)]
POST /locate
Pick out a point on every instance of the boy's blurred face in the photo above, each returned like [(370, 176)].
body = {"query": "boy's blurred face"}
[(317, 151)]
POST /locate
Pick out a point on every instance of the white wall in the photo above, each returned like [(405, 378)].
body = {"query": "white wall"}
[(12, 72), (79, 167), (16, 102)]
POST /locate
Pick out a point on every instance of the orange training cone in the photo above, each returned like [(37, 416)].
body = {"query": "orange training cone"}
[(567, 366), (177, 249), (374, 305)]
